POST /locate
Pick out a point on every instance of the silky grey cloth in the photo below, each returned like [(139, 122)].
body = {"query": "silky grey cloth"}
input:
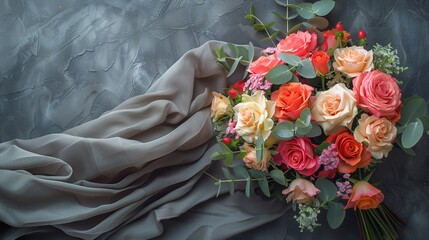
[(137, 172)]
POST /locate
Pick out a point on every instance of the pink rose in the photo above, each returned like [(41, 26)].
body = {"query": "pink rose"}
[(301, 191), (379, 94), (264, 64), (300, 44), (298, 154)]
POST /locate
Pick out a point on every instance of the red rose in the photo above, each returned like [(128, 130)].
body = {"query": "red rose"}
[(298, 154), (239, 86), (320, 62)]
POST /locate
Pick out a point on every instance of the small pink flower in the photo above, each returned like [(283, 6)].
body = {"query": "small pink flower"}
[(301, 191)]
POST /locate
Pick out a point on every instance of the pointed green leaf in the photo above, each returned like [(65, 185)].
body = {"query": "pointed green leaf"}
[(279, 75), (290, 59), (234, 66), (278, 176), (241, 172), (217, 156), (227, 173), (259, 27), (263, 184), (306, 69), (328, 190), (412, 108), (294, 29), (229, 159), (271, 37), (322, 8), (259, 148), (336, 214), (284, 130), (234, 49), (252, 12), (412, 134), (257, 174)]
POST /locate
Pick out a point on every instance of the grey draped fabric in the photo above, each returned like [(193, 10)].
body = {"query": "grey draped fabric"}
[(136, 172)]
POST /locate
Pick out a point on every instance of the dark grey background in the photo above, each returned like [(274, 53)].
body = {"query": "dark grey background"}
[(66, 62)]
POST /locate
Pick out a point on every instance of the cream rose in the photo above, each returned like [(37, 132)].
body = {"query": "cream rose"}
[(220, 106), (253, 116), (353, 60), (251, 160), (334, 109), (379, 133)]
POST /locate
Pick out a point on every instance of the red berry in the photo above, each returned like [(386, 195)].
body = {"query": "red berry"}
[(226, 140), (362, 34), (339, 26), (232, 93)]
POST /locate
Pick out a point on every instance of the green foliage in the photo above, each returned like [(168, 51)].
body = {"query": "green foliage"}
[(386, 59), (278, 176), (336, 214), (412, 134), (279, 75), (328, 190), (413, 122)]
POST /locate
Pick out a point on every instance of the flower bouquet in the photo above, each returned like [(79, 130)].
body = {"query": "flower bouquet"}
[(313, 117)]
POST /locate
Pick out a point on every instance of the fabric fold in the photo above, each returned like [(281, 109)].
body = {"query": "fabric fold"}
[(136, 172)]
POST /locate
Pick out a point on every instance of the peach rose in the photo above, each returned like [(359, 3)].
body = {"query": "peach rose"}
[(220, 106), (378, 93), (300, 44), (301, 191), (353, 60), (253, 116), (320, 62), (352, 154), (364, 196), (378, 133), (330, 42), (251, 160), (298, 153), (291, 99), (334, 109), (264, 64)]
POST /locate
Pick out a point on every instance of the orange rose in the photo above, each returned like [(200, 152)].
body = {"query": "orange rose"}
[(352, 154), (291, 99), (264, 64), (320, 62), (251, 160), (364, 196)]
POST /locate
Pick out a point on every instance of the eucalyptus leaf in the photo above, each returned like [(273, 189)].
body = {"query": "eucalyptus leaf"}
[(227, 173), (234, 49), (217, 156), (412, 108), (284, 130), (336, 214), (271, 37), (229, 158), (283, 4), (316, 131), (322, 8), (306, 10), (302, 130), (279, 75), (234, 66), (252, 12), (263, 184), (318, 22), (412, 134), (294, 29), (259, 27), (306, 69), (257, 174), (278, 177), (289, 59), (251, 52), (305, 116), (425, 121), (259, 148), (248, 189), (328, 190)]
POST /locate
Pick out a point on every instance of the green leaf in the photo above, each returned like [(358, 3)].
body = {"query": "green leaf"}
[(279, 75), (336, 214), (322, 8), (220, 54), (263, 184), (231, 188), (252, 12), (278, 176), (229, 159), (328, 190), (408, 151), (248, 189), (251, 52), (306, 69), (259, 148), (259, 27), (217, 156), (318, 22), (425, 121), (412, 134), (305, 116), (412, 108), (301, 129), (290, 59), (257, 174), (241, 172), (294, 29), (306, 10), (234, 66), (319, 149), (227, 173), (291, 15), (283, 4), (271, 37), (284, 130), (234, 49), (316, 131)]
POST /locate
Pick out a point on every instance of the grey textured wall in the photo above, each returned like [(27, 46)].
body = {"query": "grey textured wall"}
[(65, 62)]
